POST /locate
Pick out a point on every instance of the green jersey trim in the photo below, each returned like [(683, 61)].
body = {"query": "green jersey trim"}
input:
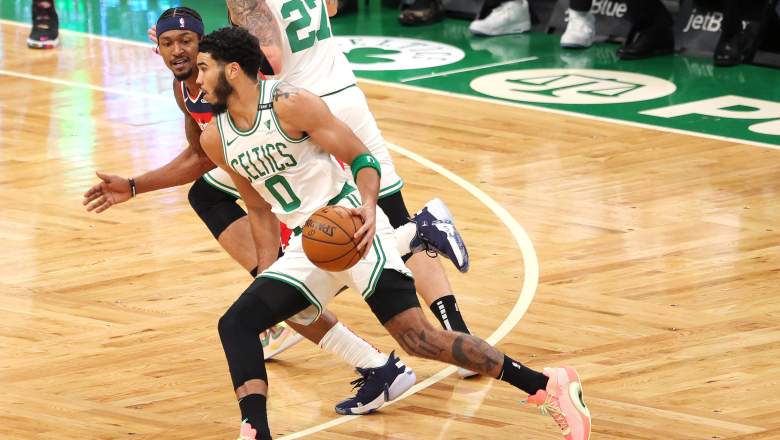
[(221, 186), (391, 189), (298, 284), (338, 91), (381, 258), (257, 116)]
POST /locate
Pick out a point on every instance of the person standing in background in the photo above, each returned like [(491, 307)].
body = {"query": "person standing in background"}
[(45, 26)]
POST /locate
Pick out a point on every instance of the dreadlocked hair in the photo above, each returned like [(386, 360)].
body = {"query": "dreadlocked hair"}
[(234, 45)]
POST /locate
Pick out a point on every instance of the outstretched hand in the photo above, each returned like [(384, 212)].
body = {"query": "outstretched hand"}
[(110, 191), (365, 235)]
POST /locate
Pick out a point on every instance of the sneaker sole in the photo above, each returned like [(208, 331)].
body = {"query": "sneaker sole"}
[(523, 28), (284, 345), (574, 390), (51, 44), (402, 382)]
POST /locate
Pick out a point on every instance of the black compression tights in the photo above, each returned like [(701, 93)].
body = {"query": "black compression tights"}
[(264, 303)]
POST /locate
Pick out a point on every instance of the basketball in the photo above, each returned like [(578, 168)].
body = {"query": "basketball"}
[(327, 238)]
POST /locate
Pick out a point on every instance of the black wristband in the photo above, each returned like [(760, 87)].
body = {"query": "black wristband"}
[(131, 181)]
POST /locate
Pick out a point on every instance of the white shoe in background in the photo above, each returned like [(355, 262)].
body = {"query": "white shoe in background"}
[(580, 31), (511, 17)]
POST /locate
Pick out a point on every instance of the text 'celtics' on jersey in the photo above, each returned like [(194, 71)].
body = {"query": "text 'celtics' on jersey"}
[(295, 176)]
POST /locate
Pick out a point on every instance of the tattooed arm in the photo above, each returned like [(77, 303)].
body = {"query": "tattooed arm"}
[(257, 18)]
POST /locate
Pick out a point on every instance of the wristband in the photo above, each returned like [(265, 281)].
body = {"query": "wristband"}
[(131, 181), (365, 160)]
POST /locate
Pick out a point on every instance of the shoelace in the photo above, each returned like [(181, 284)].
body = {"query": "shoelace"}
[(360, 381), (550, 409)]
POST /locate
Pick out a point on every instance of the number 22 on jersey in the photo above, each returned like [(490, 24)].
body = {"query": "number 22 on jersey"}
[(306, 8)]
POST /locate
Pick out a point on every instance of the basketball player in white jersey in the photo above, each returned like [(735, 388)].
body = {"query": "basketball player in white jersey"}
[(278, 143), (179, 31), (296, 37)]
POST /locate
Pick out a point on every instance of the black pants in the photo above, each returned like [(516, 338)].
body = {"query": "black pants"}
[(645, 14), (581, 5)]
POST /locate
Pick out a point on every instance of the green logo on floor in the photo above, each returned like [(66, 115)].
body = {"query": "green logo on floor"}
[(391, 53), (573, 86)]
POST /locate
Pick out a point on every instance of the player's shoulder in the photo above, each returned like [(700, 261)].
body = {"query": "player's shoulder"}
[(289, 98), (210, 136)]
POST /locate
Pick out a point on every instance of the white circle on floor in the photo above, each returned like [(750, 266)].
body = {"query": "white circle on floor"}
[(573, 86)]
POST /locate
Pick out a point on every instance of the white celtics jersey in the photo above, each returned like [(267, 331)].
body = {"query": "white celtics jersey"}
[(311, 59), (295, 176)]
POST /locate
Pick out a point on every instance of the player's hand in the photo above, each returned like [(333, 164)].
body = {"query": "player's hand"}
[(152, 34), (110, 191), (365, 235)]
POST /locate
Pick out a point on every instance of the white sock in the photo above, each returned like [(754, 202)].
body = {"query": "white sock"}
[(404, 236), (352, 348)]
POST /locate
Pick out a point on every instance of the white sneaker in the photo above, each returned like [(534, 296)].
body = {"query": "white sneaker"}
[(510, 17), (580, 31), (278, 339)]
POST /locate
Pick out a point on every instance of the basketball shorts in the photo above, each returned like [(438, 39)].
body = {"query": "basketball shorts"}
[(319, 286), (351, 107)]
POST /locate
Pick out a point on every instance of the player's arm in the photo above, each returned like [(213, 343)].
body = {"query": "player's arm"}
[(302, 112), (257, 18), (263, 222), (184, 168)]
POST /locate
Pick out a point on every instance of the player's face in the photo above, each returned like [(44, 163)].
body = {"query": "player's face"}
[(179, 50), (212, 82)]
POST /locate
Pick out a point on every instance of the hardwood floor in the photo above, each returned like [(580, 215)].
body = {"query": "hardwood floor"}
[(659, 259)]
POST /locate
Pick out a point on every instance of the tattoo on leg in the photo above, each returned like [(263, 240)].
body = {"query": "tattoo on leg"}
[(475, 354), (418, 344)]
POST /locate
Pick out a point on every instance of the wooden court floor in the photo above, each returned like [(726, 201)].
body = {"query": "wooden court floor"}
[(658, 260)]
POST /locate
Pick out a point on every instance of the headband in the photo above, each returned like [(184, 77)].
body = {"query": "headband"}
[(181, 23)]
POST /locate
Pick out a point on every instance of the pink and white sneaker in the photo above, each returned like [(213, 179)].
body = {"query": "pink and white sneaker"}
[(247, 432), (562, 400), (278, 339)]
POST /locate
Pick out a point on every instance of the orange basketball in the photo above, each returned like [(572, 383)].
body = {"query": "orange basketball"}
[(327, 238)]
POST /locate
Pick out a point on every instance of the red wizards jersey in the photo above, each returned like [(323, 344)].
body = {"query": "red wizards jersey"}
[(200, 110)]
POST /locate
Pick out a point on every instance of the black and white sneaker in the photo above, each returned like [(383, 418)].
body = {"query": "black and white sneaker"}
[(45, 26), (437, 234)]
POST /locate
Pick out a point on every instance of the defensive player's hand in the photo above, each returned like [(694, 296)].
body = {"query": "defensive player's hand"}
[(152, 34), (365, 235), (110, 191)]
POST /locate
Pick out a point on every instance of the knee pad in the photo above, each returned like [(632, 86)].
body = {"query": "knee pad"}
[(217, 209)]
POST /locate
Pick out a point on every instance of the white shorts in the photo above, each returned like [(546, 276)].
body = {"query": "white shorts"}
[(320, 286), (350, 106)]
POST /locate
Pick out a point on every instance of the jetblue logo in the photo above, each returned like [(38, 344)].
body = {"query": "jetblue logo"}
[(709, 21), (609, 8)]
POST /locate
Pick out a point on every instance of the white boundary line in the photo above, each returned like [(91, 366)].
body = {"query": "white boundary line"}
[(84, 34), (84, 85), (469, 69), (530, 260), (476, 98)]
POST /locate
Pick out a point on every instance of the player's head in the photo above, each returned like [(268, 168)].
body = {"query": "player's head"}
[(178, 33), (227, 56)]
